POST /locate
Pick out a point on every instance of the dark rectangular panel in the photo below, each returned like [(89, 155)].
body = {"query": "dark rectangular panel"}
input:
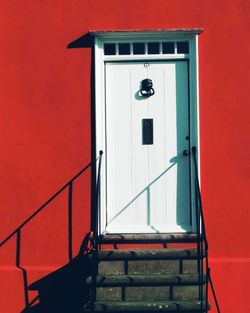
[(182, 47), (153, 48), (168, 47), (109, 49), (138, 48), (124, 48), (147, 131)]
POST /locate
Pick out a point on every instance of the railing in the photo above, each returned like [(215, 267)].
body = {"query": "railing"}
[(202, 243), (93, 234), (97, 224), (96, 230)]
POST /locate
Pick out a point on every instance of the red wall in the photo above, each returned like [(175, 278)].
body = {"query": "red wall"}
[(45, 128)]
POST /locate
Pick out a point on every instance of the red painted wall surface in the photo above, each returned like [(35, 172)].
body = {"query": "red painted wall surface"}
[(45, 133)]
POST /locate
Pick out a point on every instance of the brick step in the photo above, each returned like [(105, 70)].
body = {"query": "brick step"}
[(192, 306), (148, 238), (145, 280)]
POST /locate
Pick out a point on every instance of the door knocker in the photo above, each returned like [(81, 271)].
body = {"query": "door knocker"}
[(147, 89)]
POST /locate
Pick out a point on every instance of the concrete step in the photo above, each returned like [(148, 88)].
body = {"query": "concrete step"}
[(147, 267), (157, 261), (192, 306), (148, 238), (128, 278), (148, 293), (146, 287), (148, 254), (145, 280)]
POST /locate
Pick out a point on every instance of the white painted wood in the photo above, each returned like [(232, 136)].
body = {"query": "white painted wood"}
[(147, 35), (138, 151), (194, 116), (100, 60), (100, 123), (147, 185), (119, 136), (157, 57)]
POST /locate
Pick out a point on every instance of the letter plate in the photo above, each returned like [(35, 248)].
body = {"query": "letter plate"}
[(147, 131)]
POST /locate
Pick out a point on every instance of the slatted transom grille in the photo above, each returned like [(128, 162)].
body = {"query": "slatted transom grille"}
[(146, 48)]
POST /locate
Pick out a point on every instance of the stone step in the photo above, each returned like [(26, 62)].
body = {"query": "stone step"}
[(148, 293), (145, 280), (148, 267), (156, 261), (148, 254), (146, 287), (192, 306), (148, 238)]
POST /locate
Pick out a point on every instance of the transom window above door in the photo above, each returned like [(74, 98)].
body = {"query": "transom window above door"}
[(146, 48)]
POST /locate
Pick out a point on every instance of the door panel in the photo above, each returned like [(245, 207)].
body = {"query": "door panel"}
[(147, 186)]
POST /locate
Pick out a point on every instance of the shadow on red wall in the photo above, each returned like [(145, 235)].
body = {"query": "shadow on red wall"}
[(28, 242)]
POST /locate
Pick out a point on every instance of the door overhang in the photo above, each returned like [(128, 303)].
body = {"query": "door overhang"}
[(146, 32)]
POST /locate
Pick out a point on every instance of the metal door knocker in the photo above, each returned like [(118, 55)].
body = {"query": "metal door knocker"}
[(147, 89)]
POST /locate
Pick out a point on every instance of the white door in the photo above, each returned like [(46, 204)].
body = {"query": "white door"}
[(147, 175)]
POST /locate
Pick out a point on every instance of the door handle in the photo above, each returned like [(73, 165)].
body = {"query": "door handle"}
[(186, 152)]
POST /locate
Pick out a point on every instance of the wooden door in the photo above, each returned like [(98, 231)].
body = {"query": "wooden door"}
[(147, 175)]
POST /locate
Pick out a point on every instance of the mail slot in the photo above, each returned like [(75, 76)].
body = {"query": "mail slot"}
[(147, 131)]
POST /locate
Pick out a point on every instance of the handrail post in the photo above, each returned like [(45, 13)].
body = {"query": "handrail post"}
[(202, 242), (97, 201), (99, 191), (96, 230), (198, 231)]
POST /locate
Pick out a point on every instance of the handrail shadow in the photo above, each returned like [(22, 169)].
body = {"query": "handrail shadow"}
[(68, 184), (18, 231), (145, 189)]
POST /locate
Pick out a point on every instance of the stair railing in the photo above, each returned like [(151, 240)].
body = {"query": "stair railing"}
[(97, 204), (18, 231), (202, 243)]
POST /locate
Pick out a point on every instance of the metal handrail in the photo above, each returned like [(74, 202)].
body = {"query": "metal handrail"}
[(96, 230), (97, 225), (202, 242)]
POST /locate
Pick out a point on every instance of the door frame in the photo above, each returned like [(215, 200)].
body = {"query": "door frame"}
[(100, 59)]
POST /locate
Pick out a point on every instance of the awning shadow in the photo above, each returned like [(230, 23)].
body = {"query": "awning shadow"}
[(85, 41)]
